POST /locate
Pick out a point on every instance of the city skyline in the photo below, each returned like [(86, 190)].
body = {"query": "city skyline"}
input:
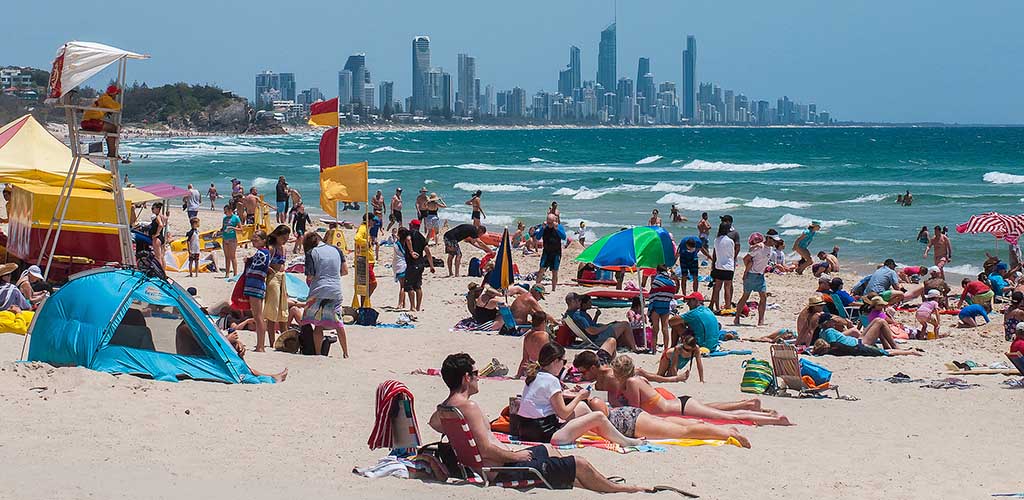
[(871, 61)]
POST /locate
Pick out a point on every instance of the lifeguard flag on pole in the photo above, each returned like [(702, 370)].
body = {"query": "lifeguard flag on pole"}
[(342, 183), (324, 113), (329, 149)]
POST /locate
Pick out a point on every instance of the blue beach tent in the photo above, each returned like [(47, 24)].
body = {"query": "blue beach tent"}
[(122, 321)]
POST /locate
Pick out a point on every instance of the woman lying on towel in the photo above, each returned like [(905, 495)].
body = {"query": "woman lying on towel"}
[(626, 388), (854, 343), (545, 417)]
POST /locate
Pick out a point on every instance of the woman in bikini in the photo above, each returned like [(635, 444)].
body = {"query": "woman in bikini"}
[(636, 391)]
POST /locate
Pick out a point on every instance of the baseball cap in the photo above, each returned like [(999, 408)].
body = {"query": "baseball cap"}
[(398, 189), (933, 294), (825, 278), (423, 189), (414, 223), (539, 289), (113, 90), (694, 296)]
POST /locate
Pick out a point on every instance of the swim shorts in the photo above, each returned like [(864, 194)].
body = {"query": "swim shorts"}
[(624, 418), (550, 260), (659, 307), (690, 269), (92, 125), (983, 298), (600, 338), (452, 247), (560, 472), (282, 207), (396, 216), (476, 215), (722, 275)]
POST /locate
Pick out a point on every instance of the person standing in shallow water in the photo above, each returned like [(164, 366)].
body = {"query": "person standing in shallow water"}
[(478, 211)]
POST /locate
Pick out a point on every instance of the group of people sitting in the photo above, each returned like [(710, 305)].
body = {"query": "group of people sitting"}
[(25, 294)]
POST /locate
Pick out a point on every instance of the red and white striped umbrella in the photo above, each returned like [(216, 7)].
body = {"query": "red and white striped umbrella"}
[(1006, 227)]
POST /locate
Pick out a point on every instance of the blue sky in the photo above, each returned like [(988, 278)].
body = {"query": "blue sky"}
[(905, 60)]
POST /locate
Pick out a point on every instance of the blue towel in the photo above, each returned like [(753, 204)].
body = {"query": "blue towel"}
[(394, 325), (741, 352)]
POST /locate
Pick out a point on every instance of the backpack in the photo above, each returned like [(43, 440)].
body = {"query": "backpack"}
[(366, 316), (758, 377), (474, 268)]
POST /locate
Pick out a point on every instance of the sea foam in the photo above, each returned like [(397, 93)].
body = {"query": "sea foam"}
[(866, 198), (1001, 178), (759, 202), (490, 188), (790, 220), (719, 166), (390, 149), (699, 203), (649, 159)]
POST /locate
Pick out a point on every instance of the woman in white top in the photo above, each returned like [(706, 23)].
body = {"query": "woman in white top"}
[(545, 417), (756, 261), (723, 266)]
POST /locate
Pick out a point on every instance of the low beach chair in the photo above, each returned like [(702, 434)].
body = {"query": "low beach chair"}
[(453, 422), (510, 321), (786, 366), (1017, 359), (580, 334)]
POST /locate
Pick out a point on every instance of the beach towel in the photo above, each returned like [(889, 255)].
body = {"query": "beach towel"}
[(395, 325), (592, 441), (15, 323), (740, 352), (950, 383), (468, 325), (388, 393)]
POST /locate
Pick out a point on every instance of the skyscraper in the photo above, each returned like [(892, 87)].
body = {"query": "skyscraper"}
[(467, 92), (606, 58), (272, 86), (690, 79), (645, 86), (576, 78), (420, 68), (356, 63), (344, 88), (626, 101), (386, 94)]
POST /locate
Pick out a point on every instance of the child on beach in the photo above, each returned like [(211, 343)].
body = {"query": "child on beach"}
[(212, 195), (635, 316), (192, 236), (679, 357), (928, 313), (968, 316)]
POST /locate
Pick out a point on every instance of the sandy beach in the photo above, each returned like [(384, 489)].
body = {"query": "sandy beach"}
[(75, 433)]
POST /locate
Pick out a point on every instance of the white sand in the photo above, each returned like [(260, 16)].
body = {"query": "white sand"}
[(74, 433)]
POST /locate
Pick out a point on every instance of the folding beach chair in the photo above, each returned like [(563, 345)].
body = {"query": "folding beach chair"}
[(786, 366), (510, 325), (1017, 359), (580, 334), (453, 422)]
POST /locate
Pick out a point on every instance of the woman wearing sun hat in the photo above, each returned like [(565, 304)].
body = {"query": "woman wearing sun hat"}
[(29, 277), (10, 295), (756, 261)]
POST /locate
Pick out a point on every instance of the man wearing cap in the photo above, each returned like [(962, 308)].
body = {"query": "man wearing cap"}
[(281, 192), (10, 295), (733, 234), (528, 303), (432, 223), (802, 246), (698, 319), (96, 120), (396, 209), (421, 205), (417, 255), (886, 283)]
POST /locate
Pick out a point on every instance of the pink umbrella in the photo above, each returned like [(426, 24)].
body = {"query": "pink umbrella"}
[(1005, 227)]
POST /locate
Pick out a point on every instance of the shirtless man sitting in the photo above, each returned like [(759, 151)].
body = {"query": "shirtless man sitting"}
[(528, 303), (536, 338), (562, 472)]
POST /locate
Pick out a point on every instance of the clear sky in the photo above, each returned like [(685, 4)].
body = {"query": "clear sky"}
[(888, 60)]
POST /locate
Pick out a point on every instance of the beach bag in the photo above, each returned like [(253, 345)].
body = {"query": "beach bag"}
[(474, 267), (239, 301), (819, 374), (444, 453), (758, 377), (366, 316), (306, 345)]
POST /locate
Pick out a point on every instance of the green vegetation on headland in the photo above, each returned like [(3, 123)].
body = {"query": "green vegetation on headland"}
[(179, 106)]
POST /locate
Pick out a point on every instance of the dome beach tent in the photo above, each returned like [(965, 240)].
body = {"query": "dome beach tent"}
[(121, 321)]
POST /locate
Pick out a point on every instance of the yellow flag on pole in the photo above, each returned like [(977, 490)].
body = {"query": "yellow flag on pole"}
[(342, 183)]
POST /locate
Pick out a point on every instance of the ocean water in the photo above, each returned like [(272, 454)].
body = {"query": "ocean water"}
[(847, 178)]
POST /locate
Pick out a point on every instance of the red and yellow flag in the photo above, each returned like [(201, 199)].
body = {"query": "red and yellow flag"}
[(342, 183), (329, 149), (324, 113)]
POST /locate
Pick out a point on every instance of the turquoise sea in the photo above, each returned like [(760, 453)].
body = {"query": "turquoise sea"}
[(847, 178)]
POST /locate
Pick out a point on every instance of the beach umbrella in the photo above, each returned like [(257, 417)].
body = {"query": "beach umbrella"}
[(1004, 227), (501, 277), (644, 247)]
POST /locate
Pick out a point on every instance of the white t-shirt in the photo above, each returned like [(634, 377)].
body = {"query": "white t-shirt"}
[(725, 253), (536, 402), (192, 201), (193, 242), (760, 259)]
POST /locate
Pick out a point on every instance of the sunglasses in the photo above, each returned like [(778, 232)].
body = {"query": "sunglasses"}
[(474, 373)]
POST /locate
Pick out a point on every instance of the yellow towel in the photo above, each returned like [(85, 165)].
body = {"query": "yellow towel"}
[(15, 323), (697, 442)]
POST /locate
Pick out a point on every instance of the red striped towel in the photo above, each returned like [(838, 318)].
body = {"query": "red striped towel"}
[(387, 393)]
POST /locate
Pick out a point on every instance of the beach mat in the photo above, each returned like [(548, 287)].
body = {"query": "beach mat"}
[(983, 371), (591, 441)]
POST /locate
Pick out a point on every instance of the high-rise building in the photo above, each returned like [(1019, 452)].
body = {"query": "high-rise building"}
[(690, 79), (344, 88), (730, 107), (606, 58), (516, 103), (386, 96), (575, 75), (368, 91), (627, 101), (272, 86), (487, 107), (356, 63), (420, 68), (645, 88), (467, 93)]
